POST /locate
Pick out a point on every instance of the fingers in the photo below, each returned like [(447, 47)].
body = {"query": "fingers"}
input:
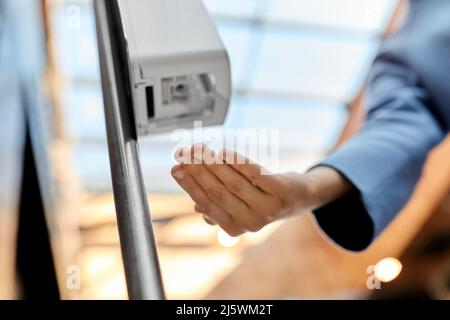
[(235, 182), (209, 221), (255, 173), (204, 205), (218, 193)]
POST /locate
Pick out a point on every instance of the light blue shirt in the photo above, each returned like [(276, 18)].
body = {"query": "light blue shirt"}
[(408, 106)]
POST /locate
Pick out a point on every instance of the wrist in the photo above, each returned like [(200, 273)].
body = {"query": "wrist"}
[(325, 185), (316, 188), (301, 194)]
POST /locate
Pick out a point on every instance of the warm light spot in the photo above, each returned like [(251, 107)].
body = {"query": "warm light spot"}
[(225, 240), (387, 269), (113, 289)]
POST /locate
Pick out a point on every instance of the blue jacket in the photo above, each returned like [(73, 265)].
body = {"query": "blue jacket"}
[(408, 106)]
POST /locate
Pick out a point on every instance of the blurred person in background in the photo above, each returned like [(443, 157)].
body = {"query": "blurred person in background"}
[(359, 189)]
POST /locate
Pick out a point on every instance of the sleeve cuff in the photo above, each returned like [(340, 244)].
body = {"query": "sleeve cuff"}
[(347, 223), (354, 221)]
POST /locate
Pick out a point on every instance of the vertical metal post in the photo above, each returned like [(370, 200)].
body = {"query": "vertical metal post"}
[(133, 217)]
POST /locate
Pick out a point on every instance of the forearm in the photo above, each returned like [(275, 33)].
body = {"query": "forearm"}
[(326, 185), (317, 188)]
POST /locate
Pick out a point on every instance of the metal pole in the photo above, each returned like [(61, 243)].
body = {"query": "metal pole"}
[(133, 217)]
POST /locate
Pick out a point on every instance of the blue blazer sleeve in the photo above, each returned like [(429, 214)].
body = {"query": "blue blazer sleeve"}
[(408, 107)]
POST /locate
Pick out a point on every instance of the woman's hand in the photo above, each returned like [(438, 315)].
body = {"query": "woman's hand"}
[(239, 195)]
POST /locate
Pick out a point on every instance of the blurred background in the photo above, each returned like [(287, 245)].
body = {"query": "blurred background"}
[(299, 66)]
